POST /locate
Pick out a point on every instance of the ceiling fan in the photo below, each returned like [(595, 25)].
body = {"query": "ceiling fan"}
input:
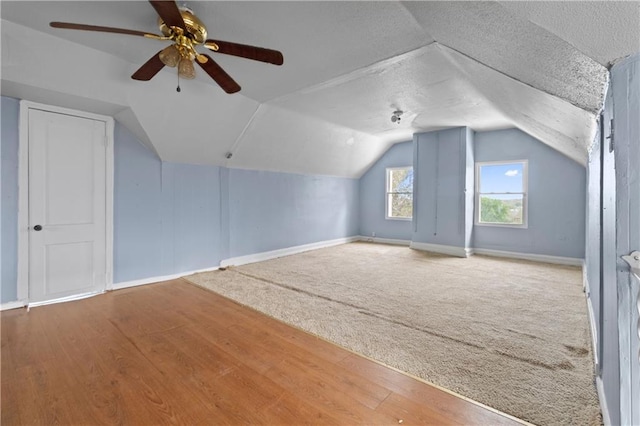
[(185, 31)]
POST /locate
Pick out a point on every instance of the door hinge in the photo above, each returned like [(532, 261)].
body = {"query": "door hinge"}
[(611, 136), (633, 259)]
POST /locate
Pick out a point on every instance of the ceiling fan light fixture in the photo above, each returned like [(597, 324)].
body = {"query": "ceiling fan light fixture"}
[(186, 69), (185, 32), (170, 56)]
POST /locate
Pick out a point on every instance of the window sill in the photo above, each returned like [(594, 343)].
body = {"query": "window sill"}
[(502, 225), (404, 219)]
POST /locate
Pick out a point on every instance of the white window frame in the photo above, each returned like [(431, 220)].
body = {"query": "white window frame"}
[(387, 192), (525, 194)]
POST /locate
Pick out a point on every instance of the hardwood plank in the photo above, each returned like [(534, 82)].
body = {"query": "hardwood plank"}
[(222, 382), (24, 341), (409, 412), (52, 399), (457, 409), (357, 387), (176, 353)]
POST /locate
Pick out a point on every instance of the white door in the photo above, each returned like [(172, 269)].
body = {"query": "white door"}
[(67, 205)]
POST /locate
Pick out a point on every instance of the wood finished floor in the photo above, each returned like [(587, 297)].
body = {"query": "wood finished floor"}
[(175, 353)]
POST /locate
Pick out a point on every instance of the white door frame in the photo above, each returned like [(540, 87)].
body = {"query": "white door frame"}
[(23, 191)]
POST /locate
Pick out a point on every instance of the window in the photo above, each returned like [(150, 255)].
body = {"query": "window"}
[(501, 194), (399, 193)]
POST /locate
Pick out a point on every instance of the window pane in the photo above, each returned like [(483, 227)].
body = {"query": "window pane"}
[(501, 178), (401, 180), (506, 209), (401, 205)]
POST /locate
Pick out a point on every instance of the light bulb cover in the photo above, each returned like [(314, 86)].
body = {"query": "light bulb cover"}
[(186, 69), (170, 56)]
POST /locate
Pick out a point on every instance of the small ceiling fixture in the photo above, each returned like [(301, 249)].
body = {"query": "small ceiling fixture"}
[(395, 118)]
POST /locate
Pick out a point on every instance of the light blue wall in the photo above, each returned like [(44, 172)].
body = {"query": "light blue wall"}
[(269, 211), (191, 217), (171, 218), (10, 110), (440, 179), (166, 215), (556, 197), (372, 196), (613, 230), (137, 205), (444, 188)]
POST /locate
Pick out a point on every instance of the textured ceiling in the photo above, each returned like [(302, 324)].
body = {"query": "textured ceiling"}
[(538, 66), (603, 30)]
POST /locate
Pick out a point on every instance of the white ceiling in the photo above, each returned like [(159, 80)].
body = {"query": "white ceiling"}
[(538, 66)]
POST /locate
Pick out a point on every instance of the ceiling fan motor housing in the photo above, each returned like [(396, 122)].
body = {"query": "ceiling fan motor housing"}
[(193, 25)]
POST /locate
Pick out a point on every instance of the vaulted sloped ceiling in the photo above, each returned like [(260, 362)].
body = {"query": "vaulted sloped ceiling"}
[(538, 66)]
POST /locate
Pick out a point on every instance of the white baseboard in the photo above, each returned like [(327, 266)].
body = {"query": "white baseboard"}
[(592, 325), (392, 241), (573, 261), (151, 280), (71, 298), (442, 249), (606, 418), (259, 257), (13, 305)]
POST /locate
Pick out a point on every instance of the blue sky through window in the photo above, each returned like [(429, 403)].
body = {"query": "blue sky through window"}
[(501, 178)]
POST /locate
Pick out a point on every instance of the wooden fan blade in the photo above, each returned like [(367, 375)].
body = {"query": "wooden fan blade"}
[(71, 26), (245, 51), (169, 12), (149, 69), (221, 77)]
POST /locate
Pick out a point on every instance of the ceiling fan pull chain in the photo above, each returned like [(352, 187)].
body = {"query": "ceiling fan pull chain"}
[(178, 88)]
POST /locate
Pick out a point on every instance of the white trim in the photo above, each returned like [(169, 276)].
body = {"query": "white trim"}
[(586, 287), (466, 252), (153, 280), (65, 299), (392, 241), (110, 171), (387, 192), (439, 248), (573, 261), (23, 191), (23, 203), (259, 257), (606, 417), (594, 335), (13, 305)]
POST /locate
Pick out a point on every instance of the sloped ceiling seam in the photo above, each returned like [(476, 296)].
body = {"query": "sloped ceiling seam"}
[(236, 143)]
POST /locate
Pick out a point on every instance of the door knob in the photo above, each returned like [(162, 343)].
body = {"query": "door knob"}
[(37, 228)]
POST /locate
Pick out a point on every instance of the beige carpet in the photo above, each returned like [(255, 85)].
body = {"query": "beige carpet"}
[(510, 334)]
